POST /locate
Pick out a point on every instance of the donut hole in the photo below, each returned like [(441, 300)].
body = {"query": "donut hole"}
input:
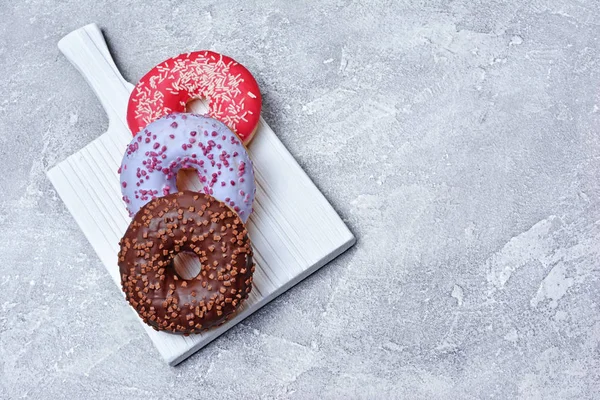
[(197, 106), (188, 179), (187, 265)]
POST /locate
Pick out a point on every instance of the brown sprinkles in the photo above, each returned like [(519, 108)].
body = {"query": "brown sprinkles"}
[(155, 237)]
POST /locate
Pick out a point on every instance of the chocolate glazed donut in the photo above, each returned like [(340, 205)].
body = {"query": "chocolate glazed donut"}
[(194, 223)]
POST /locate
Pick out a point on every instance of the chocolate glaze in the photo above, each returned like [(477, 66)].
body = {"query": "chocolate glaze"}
[(186, 222)]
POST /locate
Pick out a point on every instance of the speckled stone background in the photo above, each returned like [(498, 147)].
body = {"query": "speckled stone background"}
[(458, 139)]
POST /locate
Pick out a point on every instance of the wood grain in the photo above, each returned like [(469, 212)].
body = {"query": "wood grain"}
[(294, 230)]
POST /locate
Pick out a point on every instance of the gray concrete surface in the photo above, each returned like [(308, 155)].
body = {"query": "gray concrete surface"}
[(458, 139)]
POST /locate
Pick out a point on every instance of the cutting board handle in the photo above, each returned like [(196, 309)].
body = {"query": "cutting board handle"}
[(86, 49)]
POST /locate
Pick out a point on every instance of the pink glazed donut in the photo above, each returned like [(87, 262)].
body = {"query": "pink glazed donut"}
[(155, 155), (231, 90)]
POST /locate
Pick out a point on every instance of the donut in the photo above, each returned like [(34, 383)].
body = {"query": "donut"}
[(231, 91), (155, 156), (193, 223)]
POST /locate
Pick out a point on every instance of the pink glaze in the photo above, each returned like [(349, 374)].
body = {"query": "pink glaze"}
[(231, 90), (155, 156)]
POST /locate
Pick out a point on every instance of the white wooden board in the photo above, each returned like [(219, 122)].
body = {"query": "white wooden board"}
[(294, 230)]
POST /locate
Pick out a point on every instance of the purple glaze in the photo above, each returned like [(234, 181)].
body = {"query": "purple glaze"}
[(150, 165)]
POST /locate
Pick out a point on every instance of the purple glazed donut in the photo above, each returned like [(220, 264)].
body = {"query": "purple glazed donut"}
[(155, 155)]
